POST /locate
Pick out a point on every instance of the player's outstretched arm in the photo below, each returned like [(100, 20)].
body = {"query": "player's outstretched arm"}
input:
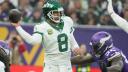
[(117, 19), (31, 39), (87, 58)]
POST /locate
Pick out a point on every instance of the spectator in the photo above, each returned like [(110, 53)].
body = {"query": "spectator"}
[(5, 6), (94, 4), (3, 15), (66, 5), (17, 47), (117, 6), (33, 3), (9, 4), (77, 9), (26, 9), (125, 13), (90, 18), (36, 16), (40, 4), (105, 19)]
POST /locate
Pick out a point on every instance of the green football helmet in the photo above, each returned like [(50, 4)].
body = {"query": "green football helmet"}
[(50, 9)]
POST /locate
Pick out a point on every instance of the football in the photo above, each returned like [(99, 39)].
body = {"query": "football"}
[(14, 15)]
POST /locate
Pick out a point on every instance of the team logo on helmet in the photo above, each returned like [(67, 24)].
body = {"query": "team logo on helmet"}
[(48, 5)]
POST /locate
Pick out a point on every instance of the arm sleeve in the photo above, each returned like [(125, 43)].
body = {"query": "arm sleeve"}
[(122, 23), (36, 38), (116, 64)]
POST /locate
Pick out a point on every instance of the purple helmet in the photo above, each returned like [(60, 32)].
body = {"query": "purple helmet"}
[(4, 46), (101, 42)]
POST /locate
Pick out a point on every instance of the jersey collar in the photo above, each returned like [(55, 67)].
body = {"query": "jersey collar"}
[(58, 27)]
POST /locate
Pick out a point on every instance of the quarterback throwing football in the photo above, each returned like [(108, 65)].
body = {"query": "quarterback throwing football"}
[(56, 34)]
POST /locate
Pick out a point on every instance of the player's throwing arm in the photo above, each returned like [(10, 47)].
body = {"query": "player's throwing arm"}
[(15, 17)]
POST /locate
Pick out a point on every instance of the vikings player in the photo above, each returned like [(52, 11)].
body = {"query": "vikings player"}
[(109, 57), (4, 57), (122, 23)]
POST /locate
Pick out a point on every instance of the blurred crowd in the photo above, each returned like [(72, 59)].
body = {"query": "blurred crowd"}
[(17, 47), (83, 12)]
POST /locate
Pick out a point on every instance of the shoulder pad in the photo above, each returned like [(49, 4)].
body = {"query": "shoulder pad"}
[(68, 20), (112, 53)]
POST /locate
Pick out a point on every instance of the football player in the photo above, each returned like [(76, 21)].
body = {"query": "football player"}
[(4, 57), (117, 19), (56, 34), (109, 57)]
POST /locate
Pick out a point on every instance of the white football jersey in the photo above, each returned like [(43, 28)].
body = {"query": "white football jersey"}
[(57, 42)]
